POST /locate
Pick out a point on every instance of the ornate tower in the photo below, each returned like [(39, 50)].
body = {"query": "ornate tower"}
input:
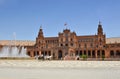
[(100, 29), (101, 37), (40, 39), (40, 34)]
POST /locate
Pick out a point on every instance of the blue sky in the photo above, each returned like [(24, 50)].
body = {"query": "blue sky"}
[(24, 17)]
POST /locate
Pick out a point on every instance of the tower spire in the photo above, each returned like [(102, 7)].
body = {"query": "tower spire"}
[(99, 22), (100, 29), (40, 26), (40, 34)]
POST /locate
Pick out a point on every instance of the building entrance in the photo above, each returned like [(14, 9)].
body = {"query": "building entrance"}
[(59, 54)]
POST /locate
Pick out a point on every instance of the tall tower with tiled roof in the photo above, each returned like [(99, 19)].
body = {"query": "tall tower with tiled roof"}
[(40, 39)]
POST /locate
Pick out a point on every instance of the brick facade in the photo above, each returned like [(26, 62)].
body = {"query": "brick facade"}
[(68, 45)]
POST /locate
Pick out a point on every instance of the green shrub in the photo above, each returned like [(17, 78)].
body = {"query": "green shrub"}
[(84, 57)]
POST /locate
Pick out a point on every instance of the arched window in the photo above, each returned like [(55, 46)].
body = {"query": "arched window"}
[(60, 54), (89, 53), (81, 53), (71, 39), (61, 44), (112, 53), (66, 44), (76, 53), (84, 52), (91, 45), (98, 53), (28, 53), (93, 53), (118, 53), (103, 53), (71, 44)]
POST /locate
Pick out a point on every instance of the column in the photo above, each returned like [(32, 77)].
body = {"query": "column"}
[(91, 53), (47, 53), (79, 52), (100, 53), (87, 53), (107, 54), (32, 54), (39, 52), (96, 54), (82, 52), (114, 53)]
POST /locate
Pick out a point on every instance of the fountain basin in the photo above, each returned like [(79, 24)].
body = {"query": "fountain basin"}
[(14, 52)]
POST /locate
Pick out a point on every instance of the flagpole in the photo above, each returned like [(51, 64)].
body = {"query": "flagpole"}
[(65, 25)]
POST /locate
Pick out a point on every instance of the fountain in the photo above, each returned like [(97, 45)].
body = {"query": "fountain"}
[(13, 52)]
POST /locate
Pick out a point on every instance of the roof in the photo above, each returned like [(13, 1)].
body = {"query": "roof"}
[(51, 38), (87, 36), (17, 42), (113, 40), (31, 43)]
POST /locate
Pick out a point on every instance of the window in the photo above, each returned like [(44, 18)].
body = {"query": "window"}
[(111, 53), (89, 53), (85, 45), (91, 45), (104, 46), (66, 44), (66, 39), (46, 41), (100, 40), (80, 53), (96, 46), (61, 44), (84, 52), (71, 44)]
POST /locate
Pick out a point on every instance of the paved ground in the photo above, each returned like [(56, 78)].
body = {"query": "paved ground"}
[(33, 69)]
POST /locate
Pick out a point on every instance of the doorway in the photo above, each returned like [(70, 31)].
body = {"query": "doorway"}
[(59, 54)]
